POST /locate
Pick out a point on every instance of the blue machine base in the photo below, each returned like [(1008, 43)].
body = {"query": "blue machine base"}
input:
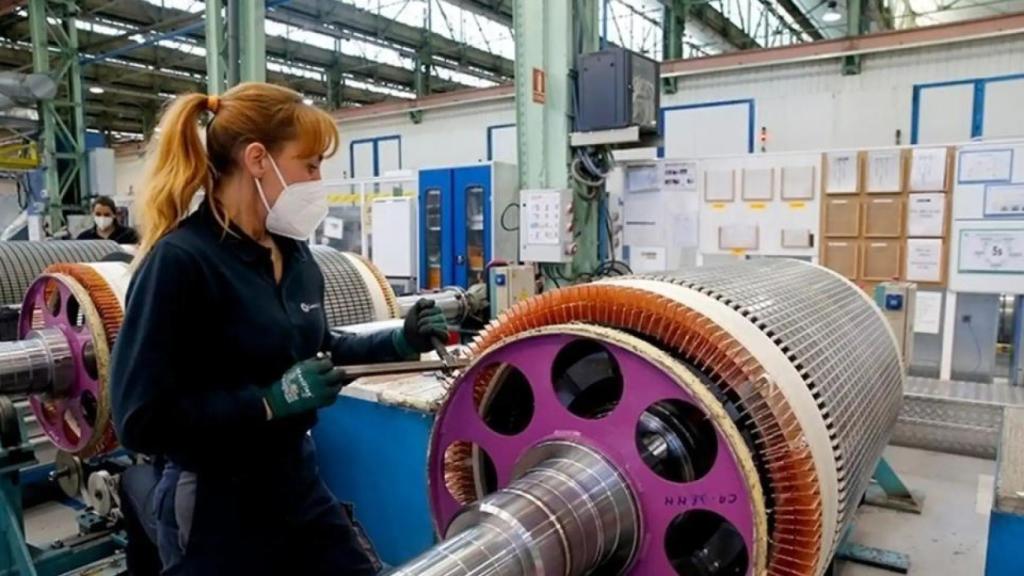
[(1005, 535), (375, 457)]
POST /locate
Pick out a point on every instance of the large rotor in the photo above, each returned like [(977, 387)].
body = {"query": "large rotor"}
[(743, 405)]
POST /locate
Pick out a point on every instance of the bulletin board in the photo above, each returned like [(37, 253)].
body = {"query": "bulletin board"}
[(987, 233), (760, 205), (885, 214)]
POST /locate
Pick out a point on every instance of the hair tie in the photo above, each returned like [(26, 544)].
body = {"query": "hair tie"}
[(212, 103)]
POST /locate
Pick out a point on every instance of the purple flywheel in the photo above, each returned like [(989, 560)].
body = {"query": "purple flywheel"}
[(684, 477), (70, 420)]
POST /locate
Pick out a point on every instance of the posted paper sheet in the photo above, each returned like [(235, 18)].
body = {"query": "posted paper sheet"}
[(928, 312), (994, 251), (842, 173), (543, 217), (928, 170), (334, 227), (984, 166), (679, 176), (644, 259), (1004, 200), (924, 259), (926, 214), (884, 173)]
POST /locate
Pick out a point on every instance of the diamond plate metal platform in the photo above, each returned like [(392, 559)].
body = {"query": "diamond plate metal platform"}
[(957, 417)]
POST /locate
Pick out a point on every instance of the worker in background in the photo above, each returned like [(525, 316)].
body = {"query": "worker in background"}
[(225, 355), (106, 226)]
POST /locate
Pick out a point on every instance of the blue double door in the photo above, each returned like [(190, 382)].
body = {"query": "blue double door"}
[(455, 225)]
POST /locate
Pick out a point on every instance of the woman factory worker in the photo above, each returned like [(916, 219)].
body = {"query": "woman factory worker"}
[(225, 355), (106, 226)]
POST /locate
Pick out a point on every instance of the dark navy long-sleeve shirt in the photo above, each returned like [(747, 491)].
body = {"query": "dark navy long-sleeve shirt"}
[(206, 330)]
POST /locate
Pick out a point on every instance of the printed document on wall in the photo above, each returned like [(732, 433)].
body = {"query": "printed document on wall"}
[(678, 176), (1004, 200), (926, 215), (542, 218), (927, 312), (924, 260), (842, 173), (984, 166), (993, 251), (928, 170), (884, 173), (645, 259), (686, 226), (334, 227)]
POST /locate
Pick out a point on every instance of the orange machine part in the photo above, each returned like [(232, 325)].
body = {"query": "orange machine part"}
[(788, 471)]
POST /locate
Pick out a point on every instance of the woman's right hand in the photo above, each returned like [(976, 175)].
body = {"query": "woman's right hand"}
[(307, 386)]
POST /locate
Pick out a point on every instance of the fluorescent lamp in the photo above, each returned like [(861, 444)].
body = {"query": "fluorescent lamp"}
[(832, 14)]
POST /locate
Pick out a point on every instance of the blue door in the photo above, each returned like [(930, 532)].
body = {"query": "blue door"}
[(472, 217), (436, 239)]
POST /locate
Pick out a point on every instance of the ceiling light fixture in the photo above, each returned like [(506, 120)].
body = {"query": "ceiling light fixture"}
[(832, 14), (96, 89), (307, 101)]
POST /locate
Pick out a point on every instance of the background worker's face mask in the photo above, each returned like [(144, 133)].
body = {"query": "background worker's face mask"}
[(299, 208), (103, 222)]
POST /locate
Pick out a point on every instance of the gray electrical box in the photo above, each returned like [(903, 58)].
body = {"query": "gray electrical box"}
[(617, 88)]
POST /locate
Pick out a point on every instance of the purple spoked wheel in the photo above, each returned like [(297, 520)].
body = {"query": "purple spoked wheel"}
[(71, 420), (683, 470)]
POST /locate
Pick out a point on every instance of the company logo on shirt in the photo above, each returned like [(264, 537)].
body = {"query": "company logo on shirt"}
[(308, 307)]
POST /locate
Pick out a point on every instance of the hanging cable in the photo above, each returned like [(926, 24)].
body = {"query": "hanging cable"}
[(501, 219)]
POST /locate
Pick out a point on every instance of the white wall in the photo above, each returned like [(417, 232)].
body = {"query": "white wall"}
[(129, 175), (811, 105), (803, 106), (456, 135)]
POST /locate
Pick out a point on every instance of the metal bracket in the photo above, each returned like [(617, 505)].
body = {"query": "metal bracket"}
[(626, 135), (888, 491), (875, 557)]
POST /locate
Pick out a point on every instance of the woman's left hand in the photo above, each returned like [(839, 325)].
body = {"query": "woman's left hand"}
[(424, 322)]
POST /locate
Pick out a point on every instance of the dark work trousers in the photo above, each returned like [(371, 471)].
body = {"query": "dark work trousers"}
[(138, 483), (279, 520)]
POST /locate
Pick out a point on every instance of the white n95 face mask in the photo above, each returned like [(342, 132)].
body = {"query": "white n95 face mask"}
[(103, 222), (299, 208)]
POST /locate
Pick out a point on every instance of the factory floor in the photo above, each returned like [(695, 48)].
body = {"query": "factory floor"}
[(951, 535), (948, 538)]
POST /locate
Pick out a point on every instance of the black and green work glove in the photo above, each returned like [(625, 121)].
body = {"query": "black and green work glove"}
[(424, 322), (307, 386)]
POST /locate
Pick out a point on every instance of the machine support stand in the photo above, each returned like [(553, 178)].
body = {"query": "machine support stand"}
[(887, 490), (889, 560), (16, 553)]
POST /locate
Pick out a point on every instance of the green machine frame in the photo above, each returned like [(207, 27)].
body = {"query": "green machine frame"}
[(55, 52)]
